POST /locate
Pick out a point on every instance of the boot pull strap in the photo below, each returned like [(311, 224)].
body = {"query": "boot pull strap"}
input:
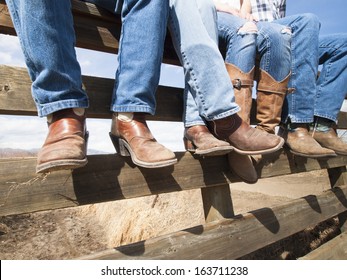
[(238, 83)]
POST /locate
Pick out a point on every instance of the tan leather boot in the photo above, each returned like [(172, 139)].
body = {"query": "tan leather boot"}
[(301, 143), (270, 97), (199, 140), (133, 138), (243, 83), (65, 145), (330, 140)]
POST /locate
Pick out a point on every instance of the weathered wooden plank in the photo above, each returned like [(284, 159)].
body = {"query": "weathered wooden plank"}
[(335, 249), (110, 177), (96, 29), (217, 203), (15, 96), (234, 238), (105, 178)]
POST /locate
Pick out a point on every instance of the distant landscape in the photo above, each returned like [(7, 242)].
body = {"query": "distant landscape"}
[(9, 152)]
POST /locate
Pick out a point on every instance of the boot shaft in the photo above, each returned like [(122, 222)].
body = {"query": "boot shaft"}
[(270, 98), (243, 84)]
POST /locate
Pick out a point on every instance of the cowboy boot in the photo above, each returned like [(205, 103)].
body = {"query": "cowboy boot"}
[(243, 83), (65, 145), (199, 140), (324, 132), (133, 138), (301, 143), (242, 165), (270, 98), (243, 138)]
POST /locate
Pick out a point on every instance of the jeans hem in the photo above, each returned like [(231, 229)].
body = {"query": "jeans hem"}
[(44, 110), (133, 109)]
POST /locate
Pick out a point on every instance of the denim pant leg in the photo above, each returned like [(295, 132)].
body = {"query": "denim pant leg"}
[(47, 37), (203, 64), (140, 55), (299, 107), (273, 46), (331, 84), (240, 45)]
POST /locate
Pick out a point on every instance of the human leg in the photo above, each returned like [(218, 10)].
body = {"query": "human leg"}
[(273, 45), (208, 80), (197, 138), (298, 110), (137, 77), (239, 38), (331, 91), (46, 34)]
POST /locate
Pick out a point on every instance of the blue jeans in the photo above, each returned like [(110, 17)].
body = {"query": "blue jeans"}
[(45, 30), (299, 106), (141, 47), (271, 42), (46, 34), (209, 93), (140, 55), (331, 84)]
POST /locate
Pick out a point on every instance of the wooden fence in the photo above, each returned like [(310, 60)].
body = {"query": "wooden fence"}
[(223, 235)]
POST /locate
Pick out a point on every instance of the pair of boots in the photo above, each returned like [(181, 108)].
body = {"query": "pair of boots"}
[(315, 140), (270, 98)]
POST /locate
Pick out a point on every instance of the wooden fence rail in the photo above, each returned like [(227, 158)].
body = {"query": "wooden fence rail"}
[(224, 235)]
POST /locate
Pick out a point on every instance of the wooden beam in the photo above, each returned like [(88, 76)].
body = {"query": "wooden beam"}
[(234, 238), (16, 99), (335, 249), (105, 178), (111, 177)]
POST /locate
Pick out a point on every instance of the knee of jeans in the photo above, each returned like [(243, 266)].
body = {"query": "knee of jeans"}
[(286, 33), (248, 28), (311, 20)]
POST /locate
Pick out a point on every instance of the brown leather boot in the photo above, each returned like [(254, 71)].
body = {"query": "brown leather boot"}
[(65, 145), (133, 138), (199, 140), (270, 97), (245, 139), (242, 165), (330, 140), (243, 83), (302, 144)]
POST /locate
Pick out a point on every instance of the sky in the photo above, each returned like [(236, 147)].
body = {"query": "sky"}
[(30, 132)]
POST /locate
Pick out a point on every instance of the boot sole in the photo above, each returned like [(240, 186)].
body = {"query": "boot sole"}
[(217, 151), (312, 156), (261, 152), (124, 149), (60, 165)]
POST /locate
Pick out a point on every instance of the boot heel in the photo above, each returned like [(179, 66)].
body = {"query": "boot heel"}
[(188, 145), (119, 145)]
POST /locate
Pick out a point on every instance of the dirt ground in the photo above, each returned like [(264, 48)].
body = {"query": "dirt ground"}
[(74, 232)]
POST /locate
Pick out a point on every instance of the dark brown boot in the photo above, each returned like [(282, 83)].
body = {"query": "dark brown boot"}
[(65, 145), (133, 138), (199, 140), (301, 142), (245, 139), (243, 83), (330, 140), (270, 98)]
